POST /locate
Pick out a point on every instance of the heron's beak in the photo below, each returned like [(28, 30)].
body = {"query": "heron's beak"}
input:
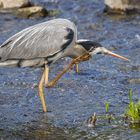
[(115, 55)]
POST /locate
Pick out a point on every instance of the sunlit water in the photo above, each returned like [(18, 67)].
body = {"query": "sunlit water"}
[(76, 96)]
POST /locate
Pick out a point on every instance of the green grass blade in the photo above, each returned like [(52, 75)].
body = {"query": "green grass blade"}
[(107, 107), (130, 95)]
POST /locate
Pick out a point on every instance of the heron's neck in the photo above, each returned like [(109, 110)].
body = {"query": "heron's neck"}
[(75, 51)]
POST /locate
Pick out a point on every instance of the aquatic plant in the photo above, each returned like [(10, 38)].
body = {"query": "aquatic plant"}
[(92, 120), (106, 107), (109, 116), (133, 110), (130, 95)]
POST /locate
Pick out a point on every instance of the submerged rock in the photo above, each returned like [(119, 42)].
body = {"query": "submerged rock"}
[(122, 6), (53, 12), (134, 81)]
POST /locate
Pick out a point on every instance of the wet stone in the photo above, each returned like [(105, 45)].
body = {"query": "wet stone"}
[(24, 9), (14, 3), (31, 12), (122, 6)]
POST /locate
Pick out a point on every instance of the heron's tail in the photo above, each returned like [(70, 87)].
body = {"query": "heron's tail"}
[(9, 63)]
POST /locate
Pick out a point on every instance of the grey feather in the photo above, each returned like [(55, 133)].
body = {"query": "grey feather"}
[(40, 41)]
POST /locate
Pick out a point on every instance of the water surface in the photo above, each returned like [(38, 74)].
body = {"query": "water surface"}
[(76, 96)]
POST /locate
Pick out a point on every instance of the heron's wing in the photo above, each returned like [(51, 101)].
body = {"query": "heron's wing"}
[(41, 40)]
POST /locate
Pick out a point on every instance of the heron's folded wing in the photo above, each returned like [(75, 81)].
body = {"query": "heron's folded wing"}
[(41, 40)]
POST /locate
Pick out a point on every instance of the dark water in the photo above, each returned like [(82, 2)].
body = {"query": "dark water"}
[(76, 96)]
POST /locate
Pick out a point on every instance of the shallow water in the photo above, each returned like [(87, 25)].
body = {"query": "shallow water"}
[(76, 96)]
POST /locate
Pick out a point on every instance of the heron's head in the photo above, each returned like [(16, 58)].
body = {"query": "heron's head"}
[(95, 48)]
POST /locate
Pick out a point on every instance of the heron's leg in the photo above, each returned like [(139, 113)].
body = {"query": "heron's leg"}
[(53, 82), (74, 61), (76, 67), (46, 71), (41, 92)]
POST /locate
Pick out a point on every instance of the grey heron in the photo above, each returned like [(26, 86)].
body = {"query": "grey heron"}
[(43, 44)]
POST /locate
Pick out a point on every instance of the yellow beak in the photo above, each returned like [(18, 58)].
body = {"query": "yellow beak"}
[(116, 55)]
